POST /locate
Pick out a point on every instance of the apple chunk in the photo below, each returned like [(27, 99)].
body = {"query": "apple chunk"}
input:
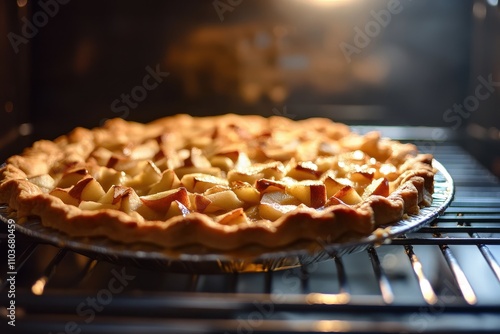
[(379, 186), (199, 183), (160, 202), (278, 197), (121, 198), (311, 193), (71, 177), (334, 185), (348, 195), (246, 192), (63, 195), (225, 200), (87, 189), (168, 181), (273, 211), (235, 217), (304, 170)]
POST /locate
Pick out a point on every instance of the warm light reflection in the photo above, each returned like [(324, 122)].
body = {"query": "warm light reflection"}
[(25, 129), (330, 2), (425, 286), (39, 286), (327, 299), (22, 3), (328, 326)]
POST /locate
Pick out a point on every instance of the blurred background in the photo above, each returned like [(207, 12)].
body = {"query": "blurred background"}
[(418, 63)]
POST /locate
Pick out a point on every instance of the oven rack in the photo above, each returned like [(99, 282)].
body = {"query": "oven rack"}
[(443, 278)]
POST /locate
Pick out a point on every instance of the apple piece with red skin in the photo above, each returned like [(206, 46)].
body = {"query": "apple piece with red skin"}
[(379, 186), (168, 181), (234, 217), (304, 170), (225, 200), (311, 193), (63, 195), (177, 209), (348, 195), (246, 192), (333, 185), (160, 202), (199, 183), (198, 202), (265, 186), (87, 189), (72, 176)]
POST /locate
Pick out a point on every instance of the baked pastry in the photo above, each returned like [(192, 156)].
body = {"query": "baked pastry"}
[(222, 182)]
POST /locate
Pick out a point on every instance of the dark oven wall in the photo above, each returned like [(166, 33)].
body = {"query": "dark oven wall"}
[(396, 62)]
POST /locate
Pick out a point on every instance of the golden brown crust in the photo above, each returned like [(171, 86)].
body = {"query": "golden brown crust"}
[(137, 164)]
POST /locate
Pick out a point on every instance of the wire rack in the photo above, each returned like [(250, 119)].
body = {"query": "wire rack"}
[(443, 278)]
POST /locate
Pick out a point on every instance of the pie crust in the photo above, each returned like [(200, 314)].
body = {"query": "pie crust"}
[(222, 182)]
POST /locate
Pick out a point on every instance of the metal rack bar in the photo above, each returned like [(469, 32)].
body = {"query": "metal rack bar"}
[(425, 286), (445, 241), (341, 274), (461, 279), (383, 282), (39, 286)]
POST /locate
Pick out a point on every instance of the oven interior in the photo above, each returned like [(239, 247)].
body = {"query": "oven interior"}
[(410, 69)]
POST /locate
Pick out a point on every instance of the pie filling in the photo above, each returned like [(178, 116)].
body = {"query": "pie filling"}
[(222, 182)]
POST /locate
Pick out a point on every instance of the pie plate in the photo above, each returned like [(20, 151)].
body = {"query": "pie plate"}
[(250, 259)]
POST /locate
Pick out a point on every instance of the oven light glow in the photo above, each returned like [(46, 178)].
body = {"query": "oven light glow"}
[(25, 129), (328, 2), (39, 286), (327, 299), (329, 326)]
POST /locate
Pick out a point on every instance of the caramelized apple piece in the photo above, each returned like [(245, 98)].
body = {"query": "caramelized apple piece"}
[(145, 179), (199, 183), (168, 180), (160, 202), (87, 189), (234, 217), (214, 171), (224, 163), (273, 211), (266, 185), (377, 187), (71, 177), (304, 170), (108, 177), (63, 195), (334, 185), (278, 197), (198, 202), (311, 193), (348, 195), (245, 192), (177, 209), (248, 177), (224, 200)]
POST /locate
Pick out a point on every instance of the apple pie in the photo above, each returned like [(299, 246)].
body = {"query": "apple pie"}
[(221, 182)]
